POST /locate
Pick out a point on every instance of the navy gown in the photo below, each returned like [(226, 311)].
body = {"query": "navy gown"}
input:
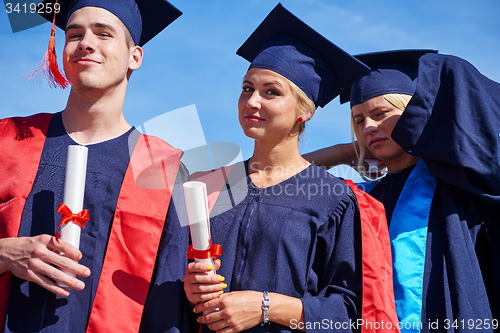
[(452, 123), (299, 238), (31, 308)]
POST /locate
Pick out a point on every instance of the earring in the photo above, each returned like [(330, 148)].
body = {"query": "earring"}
[(300, 119)]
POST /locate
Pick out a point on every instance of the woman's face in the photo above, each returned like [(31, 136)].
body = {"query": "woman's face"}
[(267, 106), (375, 119)]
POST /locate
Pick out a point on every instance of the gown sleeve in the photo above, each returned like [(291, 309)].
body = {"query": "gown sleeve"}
[(453, 123), (336, 306)]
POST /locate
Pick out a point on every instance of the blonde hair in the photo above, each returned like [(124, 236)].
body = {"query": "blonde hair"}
[(399, 101), (304, 104)]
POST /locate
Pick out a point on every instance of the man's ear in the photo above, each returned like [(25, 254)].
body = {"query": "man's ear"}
[(136, 57)]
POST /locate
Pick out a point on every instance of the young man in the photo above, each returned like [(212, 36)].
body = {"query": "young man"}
[(130, 240)]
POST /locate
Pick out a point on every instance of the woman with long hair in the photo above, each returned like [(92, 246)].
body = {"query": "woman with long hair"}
[(433, 120), (290, 232)]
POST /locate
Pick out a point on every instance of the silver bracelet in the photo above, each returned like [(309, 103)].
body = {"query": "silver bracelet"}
[(265, 308)]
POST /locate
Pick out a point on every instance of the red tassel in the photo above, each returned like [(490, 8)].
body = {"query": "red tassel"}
[(48, 66)]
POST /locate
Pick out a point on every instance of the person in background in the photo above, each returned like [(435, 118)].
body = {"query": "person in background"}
[(291, 235), (433, 120), (131, 256)]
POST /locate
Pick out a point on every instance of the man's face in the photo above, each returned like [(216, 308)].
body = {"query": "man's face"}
[(96, 54)]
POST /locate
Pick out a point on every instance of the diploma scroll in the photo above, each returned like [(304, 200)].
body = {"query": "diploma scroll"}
[(74, 188), (201, 248), (195, 194)]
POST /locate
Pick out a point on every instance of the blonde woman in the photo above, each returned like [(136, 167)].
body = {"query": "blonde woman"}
[(413, 111), (292, 251)]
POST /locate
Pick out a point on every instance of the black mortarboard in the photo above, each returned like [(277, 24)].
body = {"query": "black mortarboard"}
[(143, 18), (286, 45), (392, 72)]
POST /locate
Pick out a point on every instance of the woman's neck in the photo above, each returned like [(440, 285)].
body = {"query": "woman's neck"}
[(272, 164)]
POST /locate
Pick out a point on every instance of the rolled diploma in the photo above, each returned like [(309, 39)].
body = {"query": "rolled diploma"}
[(74, 188), (195, 194)]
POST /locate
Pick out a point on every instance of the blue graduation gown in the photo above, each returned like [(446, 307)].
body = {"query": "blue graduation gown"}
[(33, 309), (299, 238), (452, 123)]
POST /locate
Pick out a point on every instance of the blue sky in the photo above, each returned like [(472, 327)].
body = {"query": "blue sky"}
[(193, 61)]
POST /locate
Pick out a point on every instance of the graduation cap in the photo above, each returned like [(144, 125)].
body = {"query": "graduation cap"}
[(144, 19), (392, 72), (286, 45)]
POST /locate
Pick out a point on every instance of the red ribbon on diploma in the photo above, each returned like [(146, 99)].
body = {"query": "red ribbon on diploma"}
[(213, 251), (67, 216)]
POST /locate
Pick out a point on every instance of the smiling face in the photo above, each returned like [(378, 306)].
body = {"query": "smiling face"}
[(96, 52), (267, 107), (374, 120)]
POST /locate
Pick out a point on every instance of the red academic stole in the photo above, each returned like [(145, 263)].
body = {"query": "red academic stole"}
[(22, 141), (135, 237), (378, 310), (136, 230)]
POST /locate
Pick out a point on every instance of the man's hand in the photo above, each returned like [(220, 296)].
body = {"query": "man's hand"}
[(33, 259)]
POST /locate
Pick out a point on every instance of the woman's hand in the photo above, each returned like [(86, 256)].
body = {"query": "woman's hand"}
[(232, 312), (201, 284), (237, 311)]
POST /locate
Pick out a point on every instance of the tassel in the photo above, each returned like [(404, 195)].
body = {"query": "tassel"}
[(48, 66)]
